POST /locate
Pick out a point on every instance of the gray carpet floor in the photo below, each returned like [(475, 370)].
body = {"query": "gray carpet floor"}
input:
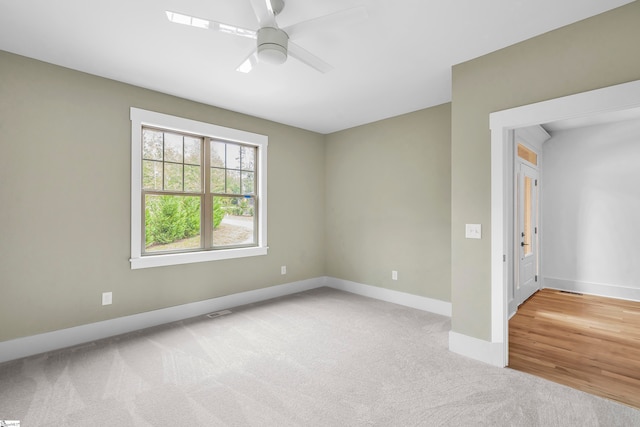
[(318, 358)]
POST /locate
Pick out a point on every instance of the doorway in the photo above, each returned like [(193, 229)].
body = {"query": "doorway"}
[(527, 150), (526, 280), (607, 101)]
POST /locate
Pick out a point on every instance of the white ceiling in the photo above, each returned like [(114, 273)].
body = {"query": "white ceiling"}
[(396, 61)]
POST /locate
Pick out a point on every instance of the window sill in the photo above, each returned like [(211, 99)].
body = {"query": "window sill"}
[(192, 257)]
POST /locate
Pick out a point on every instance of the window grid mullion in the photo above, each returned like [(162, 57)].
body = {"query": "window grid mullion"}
[(183, 164), (207, 209), (225, 167), (240, 171)]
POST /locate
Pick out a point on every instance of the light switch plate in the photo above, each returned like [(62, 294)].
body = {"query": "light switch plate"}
[(473, 231)]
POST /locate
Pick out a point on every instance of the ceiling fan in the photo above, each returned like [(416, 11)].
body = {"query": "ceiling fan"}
[(273, 43)]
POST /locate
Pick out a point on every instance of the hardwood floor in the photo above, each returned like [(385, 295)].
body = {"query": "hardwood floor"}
[(586, 342)]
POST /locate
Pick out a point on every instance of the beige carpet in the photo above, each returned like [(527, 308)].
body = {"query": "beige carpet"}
[(319, 358)]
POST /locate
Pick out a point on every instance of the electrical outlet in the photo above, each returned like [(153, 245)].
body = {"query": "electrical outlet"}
[(283, 270), (394, 275), (107, 298)]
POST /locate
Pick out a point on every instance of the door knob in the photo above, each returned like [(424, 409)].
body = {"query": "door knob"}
[(524, 244)]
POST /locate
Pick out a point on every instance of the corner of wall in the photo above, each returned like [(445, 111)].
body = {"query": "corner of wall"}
[(492, 353)]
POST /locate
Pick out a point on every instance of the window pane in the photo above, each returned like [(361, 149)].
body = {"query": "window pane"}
[(172, 177), (528, 155), (233, 221), (248, 158), (233, 156), (151, 144), (171, 222), (192, 181), (248, 183), (151, 175), (528, 226), (217, 154), (217, 180), (172, 147), (233, 182), (192, 150)]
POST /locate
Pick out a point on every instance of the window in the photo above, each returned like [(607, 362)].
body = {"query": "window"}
[(527, 154), (198, 191)]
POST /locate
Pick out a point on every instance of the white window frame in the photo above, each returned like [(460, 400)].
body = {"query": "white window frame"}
[(140, 118)]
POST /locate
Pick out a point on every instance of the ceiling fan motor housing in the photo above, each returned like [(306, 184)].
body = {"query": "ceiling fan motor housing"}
[(272, 45)]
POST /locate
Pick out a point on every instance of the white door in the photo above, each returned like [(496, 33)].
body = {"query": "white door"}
[(527, 233)]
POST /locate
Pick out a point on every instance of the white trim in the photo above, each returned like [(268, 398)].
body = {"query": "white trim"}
[(474, 348), (600, 101), (36, 344), (63, 338), (409, 300), (499, 245), (141, 117), (192, 257), (534, 136), (599, 289)]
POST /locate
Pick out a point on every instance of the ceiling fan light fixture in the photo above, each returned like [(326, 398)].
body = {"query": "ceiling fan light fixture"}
[(273, 42), (272, 45), (272, 53)]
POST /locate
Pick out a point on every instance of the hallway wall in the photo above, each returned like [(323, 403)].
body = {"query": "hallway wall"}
[(590, 210)]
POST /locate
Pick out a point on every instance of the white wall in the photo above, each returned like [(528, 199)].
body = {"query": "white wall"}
[(591, 210)]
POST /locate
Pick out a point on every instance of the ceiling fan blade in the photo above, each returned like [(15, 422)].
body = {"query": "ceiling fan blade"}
[(308, 58), (249, 63), (180, 18), (264, 13), (343, 17)]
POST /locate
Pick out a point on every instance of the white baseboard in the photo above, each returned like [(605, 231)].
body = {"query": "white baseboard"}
[(36, 344), (409, 300), (55, 340), (599, 289), (488, 352)]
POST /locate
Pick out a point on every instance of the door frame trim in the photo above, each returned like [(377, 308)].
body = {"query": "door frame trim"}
[(502, 123)]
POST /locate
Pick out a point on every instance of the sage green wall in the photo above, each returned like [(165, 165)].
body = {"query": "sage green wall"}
[(598, 52), (398, 192), (388, 203), (65, 203)]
